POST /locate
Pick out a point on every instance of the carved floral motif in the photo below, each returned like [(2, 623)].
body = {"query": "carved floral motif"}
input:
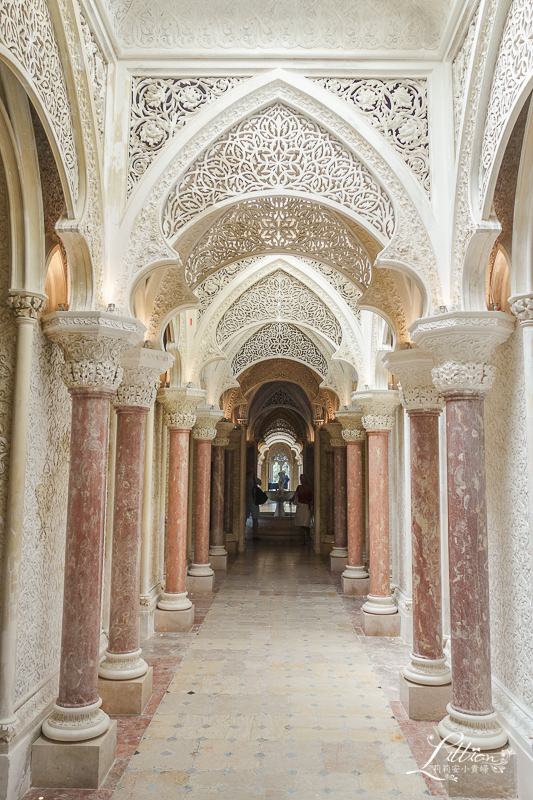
[(279, 339), (97, 71)]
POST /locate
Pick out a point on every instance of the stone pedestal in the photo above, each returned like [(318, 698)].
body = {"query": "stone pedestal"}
[(337, 559), (462, 345), (73, 765), (126, 696), (200, 584), (357, 587), (203, 433), (231, 546), (381, 624), (483, 775), (424, 702), (174, 621), (218, 561)]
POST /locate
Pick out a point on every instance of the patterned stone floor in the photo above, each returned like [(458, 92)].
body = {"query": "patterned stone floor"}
[(274, 698)]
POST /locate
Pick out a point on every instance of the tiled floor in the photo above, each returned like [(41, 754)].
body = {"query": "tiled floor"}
[(277, 694)]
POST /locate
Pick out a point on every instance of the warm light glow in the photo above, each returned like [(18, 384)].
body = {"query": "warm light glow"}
[(57, 283)]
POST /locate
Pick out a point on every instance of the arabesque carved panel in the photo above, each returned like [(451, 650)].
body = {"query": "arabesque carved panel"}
[(278, 149), (279, 339)]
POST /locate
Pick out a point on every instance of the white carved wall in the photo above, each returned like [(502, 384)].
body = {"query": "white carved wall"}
[(510, 567), (279, 339), (45, 512)]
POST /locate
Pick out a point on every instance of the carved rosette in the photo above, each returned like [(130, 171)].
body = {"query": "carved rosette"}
[(180, 406), (223, 431), (26, 305), (93, 344), (206, 425), (378, 407), (413, 369), (141, 378), (522, 308), (352, 430), (462, 344), (335, 434)]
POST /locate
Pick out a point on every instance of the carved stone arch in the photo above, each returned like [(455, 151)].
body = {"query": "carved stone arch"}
[(522, 238), (15, 211), (412, 240)]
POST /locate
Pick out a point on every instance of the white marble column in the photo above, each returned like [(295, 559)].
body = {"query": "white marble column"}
[(462, 345)]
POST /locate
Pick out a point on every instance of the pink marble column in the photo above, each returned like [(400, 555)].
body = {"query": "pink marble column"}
[(200, 565), (228, 490), (123, 656), (93, 344), (330, 492), (355, 509), (462, 345), (378, 419), (339, 468), (217, 503)]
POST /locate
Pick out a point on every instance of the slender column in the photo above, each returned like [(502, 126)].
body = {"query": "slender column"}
[(330, 500), (241, 544), (203, 432), (462, 344), (27, 309), (146, 534), (378, 419), (423, 405), (135, 396), (93, 344), (354, 436), (316, 509), (340, 550), (180, 405), (229, 492), (220, 443)]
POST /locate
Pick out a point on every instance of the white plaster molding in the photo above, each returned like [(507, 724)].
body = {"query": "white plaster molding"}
[(378, 407), (413, 369), (180, 406), (141, 377), (462, 344), (352, 426), (206, 424), (279, 339), (522, 308), (26, 304)]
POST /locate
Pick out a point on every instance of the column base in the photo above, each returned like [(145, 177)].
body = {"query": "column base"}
[(380, 605), (337, 559), (173, 602), (174, 621), (424, 702), (200, 570), (497, 779), (219, 561), (381, 624), (327, 546), (231, 546), (73, 765), (122, 666), (126, 697), (472, 730), (357, 587), (428, 672), (76, 724), (201, 584)]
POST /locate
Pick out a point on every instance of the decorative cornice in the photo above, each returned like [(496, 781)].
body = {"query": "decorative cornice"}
[(462, 344), (93, 344), (26, 304), (378, 408), (180, 406), (352, 430), (141, 379), (206, 424), (413, 369), (522, 308)]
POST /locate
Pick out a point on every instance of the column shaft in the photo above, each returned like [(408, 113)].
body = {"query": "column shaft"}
[(339, 460), (202, 504), (354, 501), (217, 499), (316, 489), (330, 497), (228, 491), (123, 653)]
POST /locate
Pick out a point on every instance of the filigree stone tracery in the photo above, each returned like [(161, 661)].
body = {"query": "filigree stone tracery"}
[(97, 71), (279, 339), (278, 149), (513, 67), (397, 109), (160, 108), (27, 30), (460, 66), (280, 398), (278, 296), (279, 224)]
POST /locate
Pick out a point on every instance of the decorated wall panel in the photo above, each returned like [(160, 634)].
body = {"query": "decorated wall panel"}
[(279, 339)]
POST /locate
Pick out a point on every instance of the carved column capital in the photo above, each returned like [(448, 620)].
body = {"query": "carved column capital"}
[(141, 377), (206, 424), (462, 344), (93, 344), (352, 427), (180, 406), (223, 431), (413, 369), (378, 407), (26, 305), (522, 308), (334, 430)]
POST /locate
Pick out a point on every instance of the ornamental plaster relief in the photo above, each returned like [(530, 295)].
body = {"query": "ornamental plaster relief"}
[(45, 511), (277, 149), (160, 108), (383, 294), (514, 67), (279, 339), (397, 109), (287, 224), (411, 243), (511, 604), (218, 26), (97, 71), (172, 294), (460, 67), (27, 31)]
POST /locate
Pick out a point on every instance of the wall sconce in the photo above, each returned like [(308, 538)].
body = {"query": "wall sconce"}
[(443, 309), (111, 308), (62, 306), (494, 307)]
